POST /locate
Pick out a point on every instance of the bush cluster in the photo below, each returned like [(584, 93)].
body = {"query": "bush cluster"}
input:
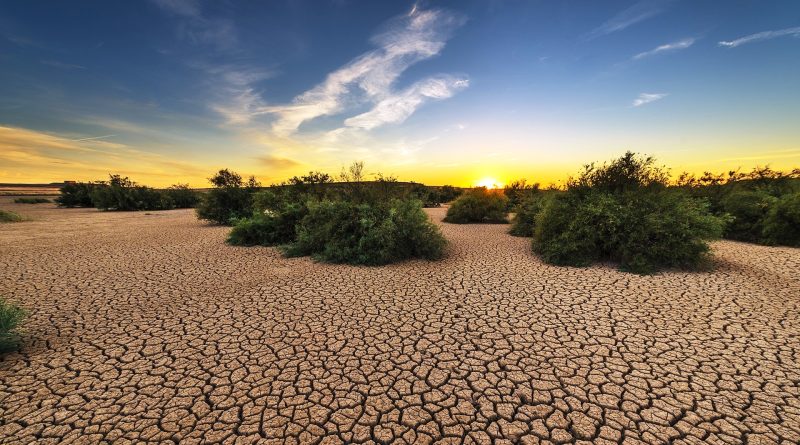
[(624, 212), (121, 193), (77, 194), (367, 233), (27, 200), (478, 205), (348, 222), (7, 216), (758, 204), (11, 316), (230, 200), (524, 220)]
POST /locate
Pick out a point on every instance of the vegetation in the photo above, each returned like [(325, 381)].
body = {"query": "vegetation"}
[(367, 233), (782, 223), (27, 200), (7, 216), (478, 205), (351, 221), (77, 194), (624, 212), (755, 202), (121, 193), (524, 220), (518, 192), (180, 196), (11, 316), (230, 200)]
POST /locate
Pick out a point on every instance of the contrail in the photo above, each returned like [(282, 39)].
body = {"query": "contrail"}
[(94, 138)]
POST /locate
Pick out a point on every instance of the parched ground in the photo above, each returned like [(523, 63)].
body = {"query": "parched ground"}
[(148, 328)]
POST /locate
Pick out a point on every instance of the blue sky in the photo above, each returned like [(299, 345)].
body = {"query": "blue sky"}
[(441, 91)]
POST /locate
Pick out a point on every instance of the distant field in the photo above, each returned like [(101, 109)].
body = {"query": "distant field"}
[(29, 189)]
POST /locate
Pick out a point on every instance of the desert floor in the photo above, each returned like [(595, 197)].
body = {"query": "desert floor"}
[(148, 327)]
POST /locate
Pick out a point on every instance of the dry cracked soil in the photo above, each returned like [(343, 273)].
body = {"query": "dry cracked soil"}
[(147, 327)]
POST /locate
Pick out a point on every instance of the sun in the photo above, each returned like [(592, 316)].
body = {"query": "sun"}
[(489, 183)]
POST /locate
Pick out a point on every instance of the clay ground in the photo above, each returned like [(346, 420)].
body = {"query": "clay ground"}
[(147, 327)]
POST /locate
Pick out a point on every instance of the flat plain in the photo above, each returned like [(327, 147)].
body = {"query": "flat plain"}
[(147, 327)]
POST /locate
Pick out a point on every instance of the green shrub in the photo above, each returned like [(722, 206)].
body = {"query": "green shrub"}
[(180, 196), (525, 214), (624, 212), (122, 194), (268, 228), (643, 231), (11, 316), (748, 209), (230, 200), (518, 192), (448, 193), (782, 223), (478, 205), (367, 233), (31, 200), (7, 216), (77, 194)]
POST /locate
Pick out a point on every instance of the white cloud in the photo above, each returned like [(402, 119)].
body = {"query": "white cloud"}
[(766, 35), (646, 98), (680, 44), (398, 107), (370, 77), (640, 11)]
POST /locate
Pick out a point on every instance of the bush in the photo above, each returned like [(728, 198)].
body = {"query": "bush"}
[(11, 316), (7, 216), (77, 194), (748, 210), (367, 233), (31, 200), (122, 194), (478, 205), (230, 200), (643, 231), (782, 223), (518, 192), (448, 193), (624, 212), (268, 228), (180, 196), (525, 217)]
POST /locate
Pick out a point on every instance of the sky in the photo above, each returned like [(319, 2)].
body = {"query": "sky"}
[(439, 92)]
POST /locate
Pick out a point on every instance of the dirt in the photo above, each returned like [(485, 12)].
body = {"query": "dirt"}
[(149, 328)]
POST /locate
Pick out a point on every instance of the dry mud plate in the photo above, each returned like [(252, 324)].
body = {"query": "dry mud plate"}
[(148, 328)]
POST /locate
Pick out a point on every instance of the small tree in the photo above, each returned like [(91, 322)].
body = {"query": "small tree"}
[(229, 200)]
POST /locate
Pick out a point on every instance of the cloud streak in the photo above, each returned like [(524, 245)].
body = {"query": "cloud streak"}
[(646, 98), (765, 35), (669, 47), (640, 11), (197, 28), (370, 77)]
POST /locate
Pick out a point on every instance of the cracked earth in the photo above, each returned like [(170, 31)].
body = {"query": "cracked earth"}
[(148, 328)]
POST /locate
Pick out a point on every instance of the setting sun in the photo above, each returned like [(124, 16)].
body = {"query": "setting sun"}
[(489, 183)]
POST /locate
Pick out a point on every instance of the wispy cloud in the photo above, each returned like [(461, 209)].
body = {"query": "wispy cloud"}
[(646, 98), (57, 64), (370, 78), (766, 35), (640, 11), (398, 107), (196, 27), (674, 46)]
